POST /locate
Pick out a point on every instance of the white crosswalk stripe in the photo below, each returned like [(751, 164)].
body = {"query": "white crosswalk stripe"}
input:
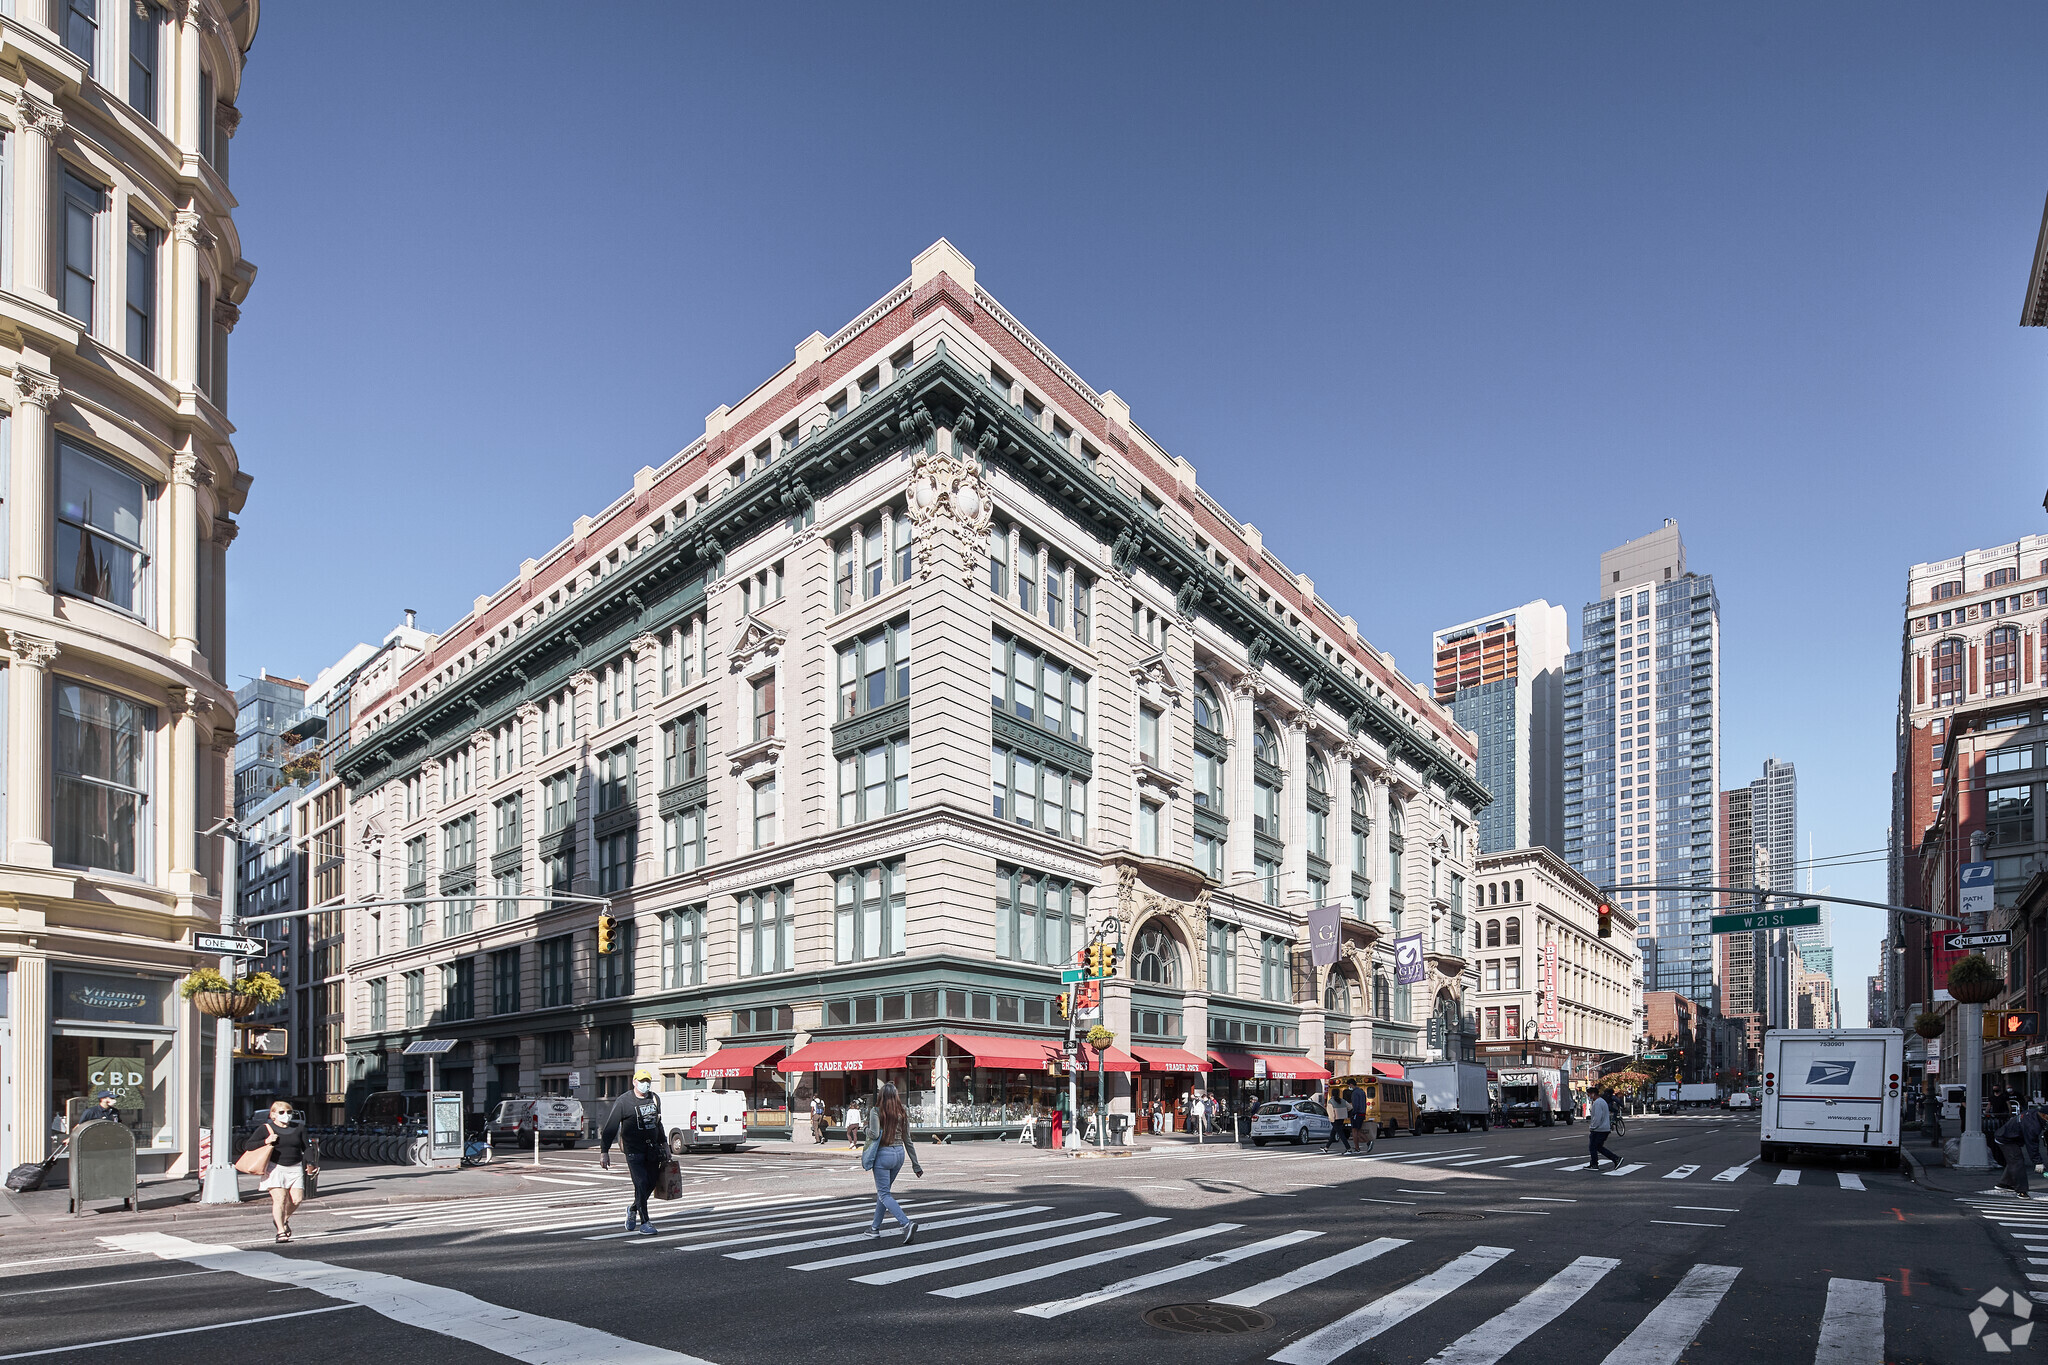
[(697, 1227), (1082, 1262), (1680, 1172), (1363, 1324), (1311, 1273), (1788, 1177), (865, 1224), (1848, 1181), (1540, 1307), (1676, 1320), (888, 1253), (1852, 1326), (1626, 1169), (1172, 1274), (912, 1272), (1543, 1161)]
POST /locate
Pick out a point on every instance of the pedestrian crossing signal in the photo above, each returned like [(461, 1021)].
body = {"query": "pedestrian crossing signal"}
[(2019, 1024), (1606, 920), (607, 934)]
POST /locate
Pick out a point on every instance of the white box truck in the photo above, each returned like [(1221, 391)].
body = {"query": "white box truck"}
[(1450, 1096), (1704, 1093), (1533, 1095), (1832, 1090)]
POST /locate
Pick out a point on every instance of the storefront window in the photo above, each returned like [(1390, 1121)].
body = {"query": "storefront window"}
[(140, 1072)]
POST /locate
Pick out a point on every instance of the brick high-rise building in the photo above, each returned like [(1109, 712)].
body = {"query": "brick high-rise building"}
[(1503, 678)]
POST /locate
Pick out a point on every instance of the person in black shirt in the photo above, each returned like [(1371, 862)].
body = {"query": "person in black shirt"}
[(286, 1178), (635, 1121)]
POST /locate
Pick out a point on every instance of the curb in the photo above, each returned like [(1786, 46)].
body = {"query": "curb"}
[(1914, 1171)]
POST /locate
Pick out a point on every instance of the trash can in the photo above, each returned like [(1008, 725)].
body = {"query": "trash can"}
[(1041, 1133), (1120, 1130), (102, 1163)]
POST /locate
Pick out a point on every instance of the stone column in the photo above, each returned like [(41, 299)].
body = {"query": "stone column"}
[(225, 530), (1294, 861), (32, 1108), (188, 239), (1380, 797), (1341, 861), (184, 804), (28, 747), (583, 687), (34, 261), (31, 530), (184, 499), (1244, 713), (186, 74)]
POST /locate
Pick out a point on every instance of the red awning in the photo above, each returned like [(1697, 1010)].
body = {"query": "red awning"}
[(854, 1054), (1391, 1070), (1238, 1064), (1244, 1064), (735, 1061), (1113, 1059), (1004, 1054), (1169, 1059)]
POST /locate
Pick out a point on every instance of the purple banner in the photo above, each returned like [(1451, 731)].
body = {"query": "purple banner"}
[(1408, 968), (1324, 939)]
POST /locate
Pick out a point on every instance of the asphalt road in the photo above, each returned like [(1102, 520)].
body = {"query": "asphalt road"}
[(1452, 1248)]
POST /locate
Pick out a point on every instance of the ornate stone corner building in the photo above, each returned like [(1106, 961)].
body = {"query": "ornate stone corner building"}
[(121, 274), (867, 710)]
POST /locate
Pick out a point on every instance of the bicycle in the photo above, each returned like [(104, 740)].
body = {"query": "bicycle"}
[(1620, 1124)]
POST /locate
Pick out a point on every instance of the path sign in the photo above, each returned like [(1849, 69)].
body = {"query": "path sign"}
[(1744, 923), (221, 945), (1977, 882)]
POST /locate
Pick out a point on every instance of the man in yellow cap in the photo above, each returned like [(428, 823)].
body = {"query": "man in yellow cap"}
[(635, 1121)]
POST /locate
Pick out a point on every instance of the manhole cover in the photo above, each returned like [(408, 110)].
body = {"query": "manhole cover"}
[(1455, 1214), (1208, 1319)]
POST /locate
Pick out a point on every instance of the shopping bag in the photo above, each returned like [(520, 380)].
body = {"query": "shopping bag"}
[(670, 1185)]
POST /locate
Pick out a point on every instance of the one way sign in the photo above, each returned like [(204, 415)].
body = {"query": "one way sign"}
[(229, 947)]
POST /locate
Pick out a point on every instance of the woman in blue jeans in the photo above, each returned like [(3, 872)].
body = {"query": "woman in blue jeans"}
[(892, 1143)]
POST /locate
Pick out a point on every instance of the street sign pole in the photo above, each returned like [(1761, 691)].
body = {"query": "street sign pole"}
[(222, 1184)]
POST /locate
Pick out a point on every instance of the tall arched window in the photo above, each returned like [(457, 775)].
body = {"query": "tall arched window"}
[(1337, 994), (1946, 673), (1318, 810), (1212, 804), (1493, 933), (1269, 774), (1396, 851), (1157, 959), (1518, 890), (1514, 931), (2002, 658)]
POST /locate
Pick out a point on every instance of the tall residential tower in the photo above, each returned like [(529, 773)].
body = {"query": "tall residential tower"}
[(1641, 735), (1503, 678)]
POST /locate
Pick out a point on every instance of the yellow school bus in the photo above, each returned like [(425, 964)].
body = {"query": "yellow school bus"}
[(1389, 1103)]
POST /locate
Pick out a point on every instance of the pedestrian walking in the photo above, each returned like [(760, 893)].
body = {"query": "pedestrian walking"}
[(1601, 1123), (1363, 1129), (635, 1124), (1340, 1121), (285, 1177), (2010, 1144), (853, 1122), (887, 1149), (817, 1120), (2033, 1116)]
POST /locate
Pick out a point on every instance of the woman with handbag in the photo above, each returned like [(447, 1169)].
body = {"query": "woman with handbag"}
[(888, 1144), (278, 1154)]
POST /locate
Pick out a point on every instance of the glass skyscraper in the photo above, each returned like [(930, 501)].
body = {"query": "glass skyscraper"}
[(1503, 678), (1641, 752)]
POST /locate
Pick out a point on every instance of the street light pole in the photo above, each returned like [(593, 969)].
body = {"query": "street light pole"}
[(222, 1183), (1973, 1153)]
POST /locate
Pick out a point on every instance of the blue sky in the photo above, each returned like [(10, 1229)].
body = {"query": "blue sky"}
[(1446, 299)]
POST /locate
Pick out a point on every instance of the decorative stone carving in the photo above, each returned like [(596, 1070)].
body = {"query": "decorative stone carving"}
[(186, 468), (1255, 656), (582, 678), (1310, 691), (38, 387), (38, 116), (190, 228), (643, 645), (756, 640), (949, 503), (1249, 686), (528, 714), (226, 314), (225, 529), (1155, 680), (1137, 903), (182, 701), (226, 117), (32, 650), (1188, 600), (1124, 553)]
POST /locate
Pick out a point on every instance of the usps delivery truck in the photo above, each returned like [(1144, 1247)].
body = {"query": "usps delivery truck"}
[(1832, 1090)]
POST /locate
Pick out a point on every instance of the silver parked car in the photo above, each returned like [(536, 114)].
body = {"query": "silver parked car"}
[(1295, 1121)]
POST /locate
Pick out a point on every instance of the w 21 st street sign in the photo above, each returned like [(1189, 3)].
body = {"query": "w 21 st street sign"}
[(1790, 918)]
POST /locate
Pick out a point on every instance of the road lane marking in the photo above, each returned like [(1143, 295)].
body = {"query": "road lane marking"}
[(887, 1253), (177, 1332), (1389, 1310), (789, 1222), (1680, 1223), (1546, 1161), (510, 1332), (1624, 1170), (1031, 1274), (1704, 1208), (1494, 1338), (1546, 1199), (107, 1284), (1311, 1273), (1169, 1275), (1852, 1325), (1483, 1161), (911, 1272), (1788, 1177), (849, 1238), (1850, 1182), (1681, 1172), (1363, 1200), (1660, 1338)]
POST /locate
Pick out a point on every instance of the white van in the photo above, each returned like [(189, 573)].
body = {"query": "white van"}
[(704, 1118), (558, 1120), (1832, 1089)]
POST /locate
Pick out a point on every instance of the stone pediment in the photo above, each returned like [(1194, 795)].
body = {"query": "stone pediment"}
[(1156, 680), (756, 640)]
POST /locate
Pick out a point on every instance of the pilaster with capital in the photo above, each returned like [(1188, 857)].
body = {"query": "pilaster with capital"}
[(28, 709), (29, 522), (1245, 691), (183, 704), (34, 259), (189, 238), (186, 469), (1294, 860)]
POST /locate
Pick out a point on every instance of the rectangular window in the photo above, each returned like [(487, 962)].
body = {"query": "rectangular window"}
[(868, 905), (682, 948), (83, 205), (874, 781), (617, 777), (103, 531), (458, 843), (509, 823), (557, 1048), (1148, 829), (1222, 958), (682, 749), (615, 854), (141, 330), (999, 560), (379, 1001), (415, 999), (764, 708), (617, 697), (1272, 968), (415, 923), (556, 955), (458, 989), (764, 812), (874, 670), (558, 802), (103, 769), (1039, 919), (1267, 871), (1209, 854), (682, 841), (558, 869), (1027, 576), (615, 968), (145, 54), (767, 933), (1148, 737), (505, 749), (685, 1035), (81, 31), (1036, 688), (1029, 792), (1081, 609), (508, 886)]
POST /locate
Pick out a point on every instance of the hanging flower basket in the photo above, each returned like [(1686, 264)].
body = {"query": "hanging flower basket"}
[(225, 1004), (1972, 981), (1928, 1026)]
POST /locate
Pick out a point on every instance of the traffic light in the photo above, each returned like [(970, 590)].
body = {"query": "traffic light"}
[(2019, 1024), (1095, 953), (1606, 920), (607, 934), (1066, 1004)]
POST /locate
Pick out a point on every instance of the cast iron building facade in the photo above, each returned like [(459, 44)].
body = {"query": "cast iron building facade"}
[(918, 669)]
